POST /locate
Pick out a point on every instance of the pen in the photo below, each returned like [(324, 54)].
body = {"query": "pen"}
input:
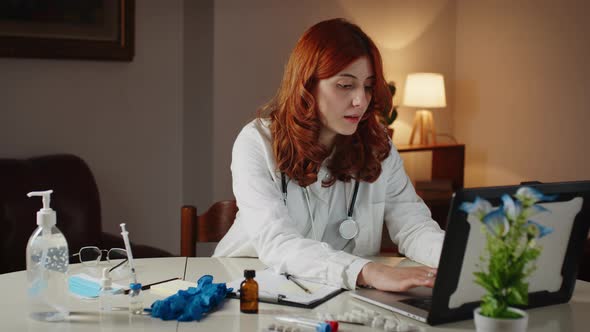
[(148, 286), (290, 277), (271, 299)]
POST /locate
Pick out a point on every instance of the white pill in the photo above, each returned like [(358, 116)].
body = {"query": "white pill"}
[(357, 311), (390, 327), (403, 326), (378, 322)]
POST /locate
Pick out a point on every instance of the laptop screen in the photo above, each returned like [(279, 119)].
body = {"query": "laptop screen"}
[(456, 294)]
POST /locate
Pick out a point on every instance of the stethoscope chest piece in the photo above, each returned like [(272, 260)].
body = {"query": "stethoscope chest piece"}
[(348, 229)]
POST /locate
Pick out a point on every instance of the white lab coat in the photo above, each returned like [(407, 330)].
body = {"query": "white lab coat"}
[(266, 228)]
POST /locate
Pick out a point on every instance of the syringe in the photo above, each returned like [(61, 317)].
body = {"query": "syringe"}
[(125, 235)]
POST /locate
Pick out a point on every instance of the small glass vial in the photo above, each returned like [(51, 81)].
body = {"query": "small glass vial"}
[(105, 296), (135, 299), (249, 293)]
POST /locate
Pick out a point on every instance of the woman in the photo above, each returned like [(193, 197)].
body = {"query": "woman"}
[(315, 176)]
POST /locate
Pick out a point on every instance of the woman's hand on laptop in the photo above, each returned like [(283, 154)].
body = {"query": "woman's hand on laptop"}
[(395, 279)]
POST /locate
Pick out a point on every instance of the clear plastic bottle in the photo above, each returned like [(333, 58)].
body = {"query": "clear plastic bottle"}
[(135, 299), (249, 293), (47, 266), (105, 296)]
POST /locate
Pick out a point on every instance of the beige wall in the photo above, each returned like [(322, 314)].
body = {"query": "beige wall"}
[(123, 118), (158, 131), (197, 122), (522, 85), (253, 39)]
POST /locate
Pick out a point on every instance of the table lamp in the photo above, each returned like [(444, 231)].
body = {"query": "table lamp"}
[(424, 91)]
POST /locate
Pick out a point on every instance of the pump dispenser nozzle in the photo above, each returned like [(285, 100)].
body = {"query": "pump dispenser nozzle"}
[(46, 197), (45, 216)]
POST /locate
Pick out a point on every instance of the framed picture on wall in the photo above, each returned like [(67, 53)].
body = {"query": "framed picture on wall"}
[(70, 29)]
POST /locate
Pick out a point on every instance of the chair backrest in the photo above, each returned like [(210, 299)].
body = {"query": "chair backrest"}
[(75, 199), (210, 226)]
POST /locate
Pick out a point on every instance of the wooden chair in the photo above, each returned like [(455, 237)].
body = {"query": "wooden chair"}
[(211, 226)]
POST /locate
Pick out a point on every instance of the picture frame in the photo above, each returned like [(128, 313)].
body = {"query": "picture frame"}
[(70, 29)]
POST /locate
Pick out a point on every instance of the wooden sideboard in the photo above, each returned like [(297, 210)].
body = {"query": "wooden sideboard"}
[(448, 161)]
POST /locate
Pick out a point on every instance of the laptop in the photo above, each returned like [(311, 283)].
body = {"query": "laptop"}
[(455, 294)]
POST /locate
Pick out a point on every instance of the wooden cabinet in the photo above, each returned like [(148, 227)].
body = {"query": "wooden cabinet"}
[(448, 161), (448, 165)]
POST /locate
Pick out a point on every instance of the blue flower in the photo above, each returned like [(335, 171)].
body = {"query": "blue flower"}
[(511, 208), (480, 207), (538, 230), (497, 223), (534, 210), (529, 196)]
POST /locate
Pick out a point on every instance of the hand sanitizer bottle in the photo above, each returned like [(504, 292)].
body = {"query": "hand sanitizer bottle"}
[(105, 296), (47, 266)]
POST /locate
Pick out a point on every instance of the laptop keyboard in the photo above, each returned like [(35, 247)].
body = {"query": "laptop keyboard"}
[(419, 302)]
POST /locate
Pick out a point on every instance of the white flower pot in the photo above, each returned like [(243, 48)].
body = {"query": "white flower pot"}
[(488, 324)]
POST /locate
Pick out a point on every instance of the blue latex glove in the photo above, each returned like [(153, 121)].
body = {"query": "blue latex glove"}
[(193, 303)]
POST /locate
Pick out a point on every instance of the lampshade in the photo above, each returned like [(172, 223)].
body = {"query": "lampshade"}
[(425, 90)]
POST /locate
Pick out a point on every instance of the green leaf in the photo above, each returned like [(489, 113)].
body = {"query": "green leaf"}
[(482, 279), (508, 314), (515, 297), (489, 306)]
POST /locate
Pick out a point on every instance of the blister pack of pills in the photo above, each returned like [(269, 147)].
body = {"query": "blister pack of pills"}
[(371, 318)]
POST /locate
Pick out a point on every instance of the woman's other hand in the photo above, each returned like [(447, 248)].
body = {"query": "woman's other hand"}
[(395, 279)]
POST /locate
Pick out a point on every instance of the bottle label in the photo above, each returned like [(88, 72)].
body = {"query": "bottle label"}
[(54, 259)]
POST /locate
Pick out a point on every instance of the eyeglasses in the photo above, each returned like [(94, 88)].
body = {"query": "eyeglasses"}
[(90, 256)]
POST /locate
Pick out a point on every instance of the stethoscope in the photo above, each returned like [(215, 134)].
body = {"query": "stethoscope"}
[(348, 228)]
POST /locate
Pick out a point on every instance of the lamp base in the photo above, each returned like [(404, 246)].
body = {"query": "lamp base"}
[(424, 120)]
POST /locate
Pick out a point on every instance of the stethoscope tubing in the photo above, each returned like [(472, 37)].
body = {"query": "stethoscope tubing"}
[(308, 203)]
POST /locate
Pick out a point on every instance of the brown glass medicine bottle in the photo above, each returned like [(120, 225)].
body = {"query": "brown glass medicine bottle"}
[(249, 293)]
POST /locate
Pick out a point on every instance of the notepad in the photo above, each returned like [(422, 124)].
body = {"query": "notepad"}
[(275, 288), (171, 287)]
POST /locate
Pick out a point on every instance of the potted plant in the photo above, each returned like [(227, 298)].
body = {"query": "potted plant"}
[(391, 115), (508, 258)]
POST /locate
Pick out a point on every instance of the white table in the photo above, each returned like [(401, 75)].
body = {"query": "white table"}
[(573, 316)]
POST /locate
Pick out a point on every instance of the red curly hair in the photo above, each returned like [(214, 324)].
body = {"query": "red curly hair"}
[(324, 50)]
